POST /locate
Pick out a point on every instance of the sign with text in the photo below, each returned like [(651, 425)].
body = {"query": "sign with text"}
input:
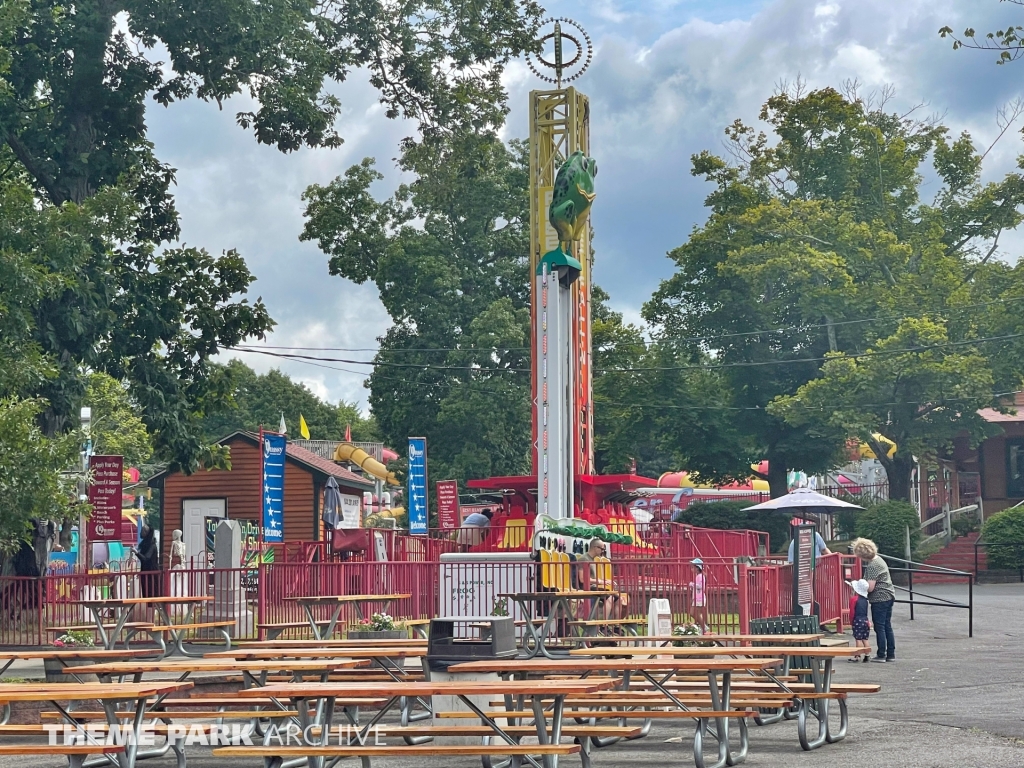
[(803, 568), (448, 504), (107, 479), (274, 447), (351, 511), (417, 501)]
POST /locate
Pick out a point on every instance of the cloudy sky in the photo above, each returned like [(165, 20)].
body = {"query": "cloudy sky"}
[(667, 77)]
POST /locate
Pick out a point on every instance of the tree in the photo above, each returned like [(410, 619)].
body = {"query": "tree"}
[(1007, 41), (116, 428), (818, 242), (256, 399), (449, 255)]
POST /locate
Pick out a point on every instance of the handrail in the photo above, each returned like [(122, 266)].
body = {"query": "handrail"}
[(946, 516), (934, 600)]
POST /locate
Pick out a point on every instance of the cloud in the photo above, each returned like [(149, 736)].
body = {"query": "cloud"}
[(667, 77)]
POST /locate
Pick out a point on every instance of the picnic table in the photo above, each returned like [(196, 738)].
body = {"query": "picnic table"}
[(102, 610), (119, 609), (559, 604), (176, 629), (339, 601), (117, 700), (548, 721), (412, 642)]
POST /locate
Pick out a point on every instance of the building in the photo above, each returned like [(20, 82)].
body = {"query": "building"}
[(187, 500)]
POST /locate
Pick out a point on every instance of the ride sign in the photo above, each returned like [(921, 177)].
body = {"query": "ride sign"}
[(448, 504), (274, 448), (106, 480), (417, 503)]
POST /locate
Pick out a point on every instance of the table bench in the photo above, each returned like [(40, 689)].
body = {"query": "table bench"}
[(274, 630), (275, 757), (75, 753)]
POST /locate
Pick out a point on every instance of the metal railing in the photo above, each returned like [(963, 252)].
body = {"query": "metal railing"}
[(999, 557), (910, 568)]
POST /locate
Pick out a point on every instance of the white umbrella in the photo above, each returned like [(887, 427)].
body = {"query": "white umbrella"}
[(804, 500)]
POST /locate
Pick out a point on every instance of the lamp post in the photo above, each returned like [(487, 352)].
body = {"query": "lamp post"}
[(85, 416)]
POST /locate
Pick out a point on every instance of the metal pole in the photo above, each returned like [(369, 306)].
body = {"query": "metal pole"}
[(970, 607), (910, 585)]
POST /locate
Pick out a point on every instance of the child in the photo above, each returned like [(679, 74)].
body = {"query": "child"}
[(698, 603), (859, 617)]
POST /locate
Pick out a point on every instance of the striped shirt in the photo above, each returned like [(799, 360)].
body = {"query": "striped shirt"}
[(878, 572)]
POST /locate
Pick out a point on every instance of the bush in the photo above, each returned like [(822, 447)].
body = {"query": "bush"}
[(729, 516), (965, 524), (886, 524), (1004, 533)]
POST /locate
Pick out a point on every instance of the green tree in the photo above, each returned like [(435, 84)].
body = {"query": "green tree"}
[(117, 428), (260, 399), (886, 524), (1007, 41), (818, 242), (449, 255)]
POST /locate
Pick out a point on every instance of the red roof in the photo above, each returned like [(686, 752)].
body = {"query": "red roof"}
[(993, 416)]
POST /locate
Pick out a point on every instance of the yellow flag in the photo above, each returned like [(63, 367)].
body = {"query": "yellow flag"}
[(303, 429)]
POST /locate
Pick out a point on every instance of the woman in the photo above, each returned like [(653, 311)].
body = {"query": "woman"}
[(881, 596), (149, 563)]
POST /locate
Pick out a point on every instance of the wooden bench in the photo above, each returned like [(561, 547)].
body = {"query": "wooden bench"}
[(178, 632), (275, 757), (76, 753), (183, 714), (276, 629), (137, 625), (417, 626)]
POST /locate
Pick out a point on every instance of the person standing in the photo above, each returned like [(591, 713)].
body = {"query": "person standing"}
[(698, 596), (881, 596), (149, 563), (859, 618)]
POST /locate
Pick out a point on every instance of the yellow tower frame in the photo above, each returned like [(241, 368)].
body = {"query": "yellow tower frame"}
[(559, 126)]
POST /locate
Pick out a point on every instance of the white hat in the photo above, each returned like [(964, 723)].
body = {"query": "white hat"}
[(698, 562), (860, 586)]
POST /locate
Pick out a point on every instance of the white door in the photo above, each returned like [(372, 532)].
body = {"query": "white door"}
[(193, 525)]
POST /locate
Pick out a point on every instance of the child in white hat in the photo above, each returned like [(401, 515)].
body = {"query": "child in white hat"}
[(859, 617)]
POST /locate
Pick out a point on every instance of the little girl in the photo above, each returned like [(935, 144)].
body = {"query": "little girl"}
[(859, 617), (698, 603)]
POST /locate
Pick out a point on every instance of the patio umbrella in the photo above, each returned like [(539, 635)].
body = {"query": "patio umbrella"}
[(332, 504), (803, 500)]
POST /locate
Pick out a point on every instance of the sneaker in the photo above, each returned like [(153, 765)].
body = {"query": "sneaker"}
[(878, 659), (866, 659), (891, 658)]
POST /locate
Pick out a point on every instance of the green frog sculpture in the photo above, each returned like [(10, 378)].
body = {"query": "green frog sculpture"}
[(570, 206)]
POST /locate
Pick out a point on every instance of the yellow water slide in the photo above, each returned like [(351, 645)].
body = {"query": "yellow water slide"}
[(363, 460)]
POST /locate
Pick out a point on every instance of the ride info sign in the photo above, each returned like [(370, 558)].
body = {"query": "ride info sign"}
[(274, 450), (448, 504), (803, 568), (105, 488), (417, 501)]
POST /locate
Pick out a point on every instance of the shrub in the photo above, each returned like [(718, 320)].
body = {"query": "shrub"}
[(965, 524), (1004, 533), (729, 516), (886, 523)]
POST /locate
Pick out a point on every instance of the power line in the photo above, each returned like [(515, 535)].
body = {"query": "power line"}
[(421, 366), (799, 405)]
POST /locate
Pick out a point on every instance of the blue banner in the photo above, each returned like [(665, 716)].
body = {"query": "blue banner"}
[(417, 501), (273, 487)]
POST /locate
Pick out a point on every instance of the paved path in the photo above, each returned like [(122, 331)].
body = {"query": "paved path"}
[(949, 702)]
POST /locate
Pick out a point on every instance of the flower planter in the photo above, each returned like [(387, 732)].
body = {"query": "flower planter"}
[(383, 634), (55, 672)]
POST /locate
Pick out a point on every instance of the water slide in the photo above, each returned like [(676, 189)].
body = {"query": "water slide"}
[(363, 460)]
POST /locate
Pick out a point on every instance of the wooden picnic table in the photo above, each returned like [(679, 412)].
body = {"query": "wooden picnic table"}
[(412, 642), (176, 629), (718, 639), (114, 698), (559, 604), (339, 601), (120, 609), (548, 721)]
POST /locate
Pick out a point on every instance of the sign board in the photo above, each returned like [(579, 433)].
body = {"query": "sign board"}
[(105, 488), (250, 536), (417, 499), (803, 568), (274, 447), (351, 511), (448, 504), (471, 585)]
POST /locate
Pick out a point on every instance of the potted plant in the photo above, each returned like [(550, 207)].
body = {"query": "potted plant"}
[(689, 637), (70, 641), (380, 626)]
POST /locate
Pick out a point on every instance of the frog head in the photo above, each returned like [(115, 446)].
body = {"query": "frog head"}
[(572, 196)]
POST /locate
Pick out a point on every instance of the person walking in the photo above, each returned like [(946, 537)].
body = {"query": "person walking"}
[(149, 563), (881, 597), (698, 596)]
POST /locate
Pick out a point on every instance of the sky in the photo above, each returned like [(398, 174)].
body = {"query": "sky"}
[(668, 76)]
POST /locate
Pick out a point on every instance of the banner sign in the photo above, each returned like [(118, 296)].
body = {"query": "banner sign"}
[(107, 473), (351, 511), (273, 486), (417, 501), (803, 568), (448, 504)]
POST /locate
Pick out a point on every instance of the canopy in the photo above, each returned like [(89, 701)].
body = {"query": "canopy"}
[(804, 500)]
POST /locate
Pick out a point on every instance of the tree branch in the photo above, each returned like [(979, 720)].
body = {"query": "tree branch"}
[(35, 169)]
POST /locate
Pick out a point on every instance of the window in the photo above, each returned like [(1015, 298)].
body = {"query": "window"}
[(1015, 469)]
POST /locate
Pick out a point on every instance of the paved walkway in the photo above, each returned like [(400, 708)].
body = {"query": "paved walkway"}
[(949, 702)]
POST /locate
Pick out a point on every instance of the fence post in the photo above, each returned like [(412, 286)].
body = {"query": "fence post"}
[(906, 543), (744, 600), (261, 598), (949, 528)]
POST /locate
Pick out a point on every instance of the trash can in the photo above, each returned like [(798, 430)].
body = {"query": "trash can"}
[(789, 625), (455, 640)]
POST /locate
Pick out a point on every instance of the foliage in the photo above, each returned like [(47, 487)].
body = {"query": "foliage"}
[(1004, 534), (1008, 42), (817, 246), (78, 638), (886, 524), (729, 516), (32, 480), (254, 399), (116, 428), (378, 622), (454, 367), (965, 524)]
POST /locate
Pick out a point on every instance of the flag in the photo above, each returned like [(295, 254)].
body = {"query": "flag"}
[(348, 433), (282, 427), (303, 429)]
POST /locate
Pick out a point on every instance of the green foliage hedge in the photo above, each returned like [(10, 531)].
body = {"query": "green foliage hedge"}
[(1004, 533), (886, 523), (729, 516)]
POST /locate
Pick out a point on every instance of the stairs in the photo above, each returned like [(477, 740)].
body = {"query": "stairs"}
[(958, 556)]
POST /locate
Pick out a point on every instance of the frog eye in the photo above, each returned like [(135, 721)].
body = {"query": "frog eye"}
[(592, 166)]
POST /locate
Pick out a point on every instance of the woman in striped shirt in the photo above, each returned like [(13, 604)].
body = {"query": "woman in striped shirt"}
[(881, 596)]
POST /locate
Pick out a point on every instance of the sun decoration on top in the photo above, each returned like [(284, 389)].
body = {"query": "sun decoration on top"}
[(565, 70)]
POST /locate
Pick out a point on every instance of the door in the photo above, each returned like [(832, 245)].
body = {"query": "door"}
[(193, 526)]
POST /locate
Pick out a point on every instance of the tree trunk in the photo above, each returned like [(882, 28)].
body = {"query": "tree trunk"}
[(899, 470), (778, 475)]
